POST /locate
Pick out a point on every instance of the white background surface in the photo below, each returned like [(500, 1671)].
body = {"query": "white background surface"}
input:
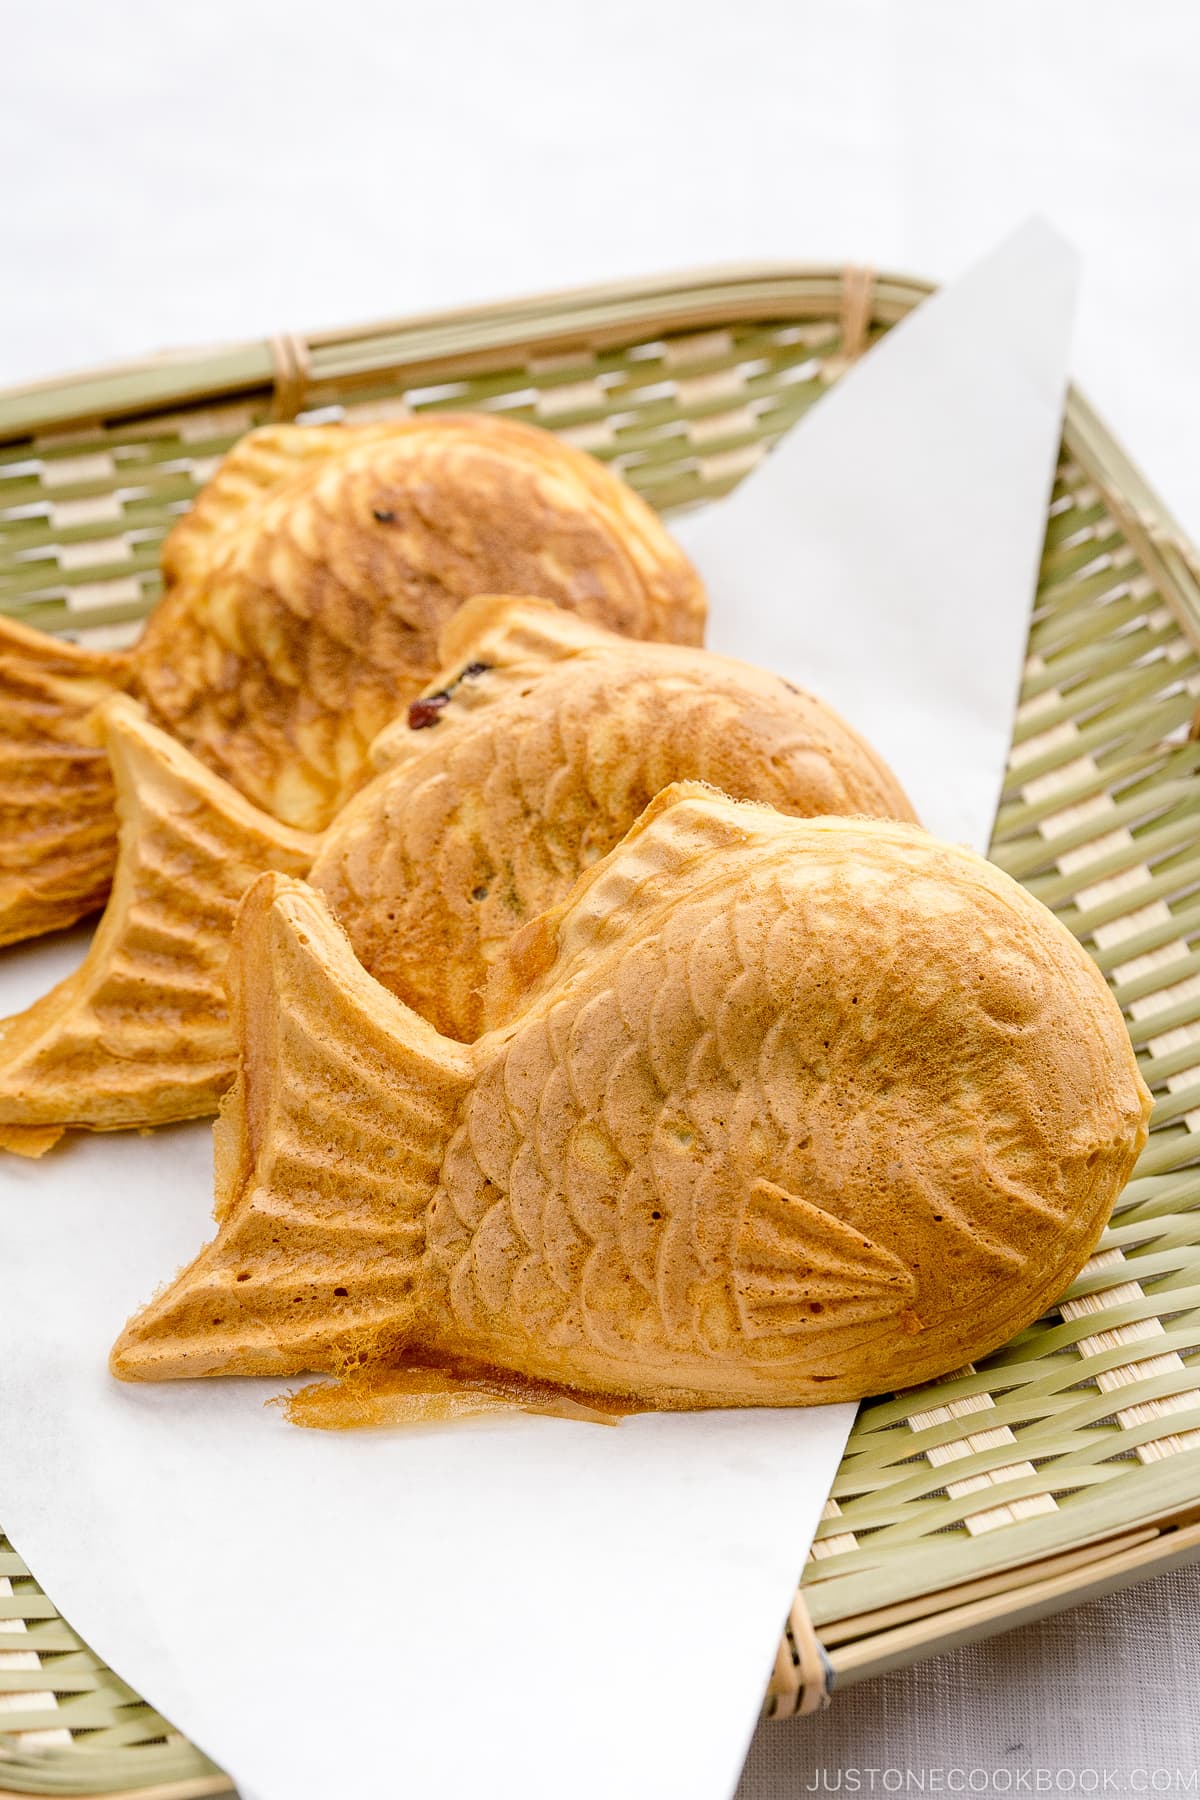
[(178, 174)]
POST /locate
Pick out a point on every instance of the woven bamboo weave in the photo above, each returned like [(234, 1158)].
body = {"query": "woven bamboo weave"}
[(1070, 1461)]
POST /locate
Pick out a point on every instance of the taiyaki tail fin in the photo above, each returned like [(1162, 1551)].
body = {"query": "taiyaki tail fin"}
[(139, 1034), (58, 827), (328, 1151)]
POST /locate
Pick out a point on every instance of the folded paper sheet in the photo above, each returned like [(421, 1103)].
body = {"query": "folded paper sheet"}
[(526, 1606), (884, 558)]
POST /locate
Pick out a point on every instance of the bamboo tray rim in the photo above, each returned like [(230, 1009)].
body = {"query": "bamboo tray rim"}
[(588, 315), (675, 301)]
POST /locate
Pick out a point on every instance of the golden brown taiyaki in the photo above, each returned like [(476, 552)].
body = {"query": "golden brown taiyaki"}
[(307, 587), (57, 827), (537, 746), (537, 759), (139, 1033), (782, 1111), (304, 595)]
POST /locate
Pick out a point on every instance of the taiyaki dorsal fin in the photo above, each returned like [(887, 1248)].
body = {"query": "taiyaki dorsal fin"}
[(516, 631), (328, 1151), (494, 646), (139, 1033), (793, 1261), (58, 827), (683, 839), (259, 465)]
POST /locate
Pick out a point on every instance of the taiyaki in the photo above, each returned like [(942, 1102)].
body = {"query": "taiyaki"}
[(139, 1033), (551, 735), (57, 827), (536, 746), (780, 1111), (304, 594)]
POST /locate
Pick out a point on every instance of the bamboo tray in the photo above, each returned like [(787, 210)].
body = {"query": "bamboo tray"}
[(1067, 1464)]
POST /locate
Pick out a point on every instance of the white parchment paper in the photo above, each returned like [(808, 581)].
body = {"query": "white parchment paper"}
[(530, 1607), (888, 557)]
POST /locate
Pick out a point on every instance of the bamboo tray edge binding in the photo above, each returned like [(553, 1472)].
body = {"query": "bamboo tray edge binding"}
[(1069, 1463)]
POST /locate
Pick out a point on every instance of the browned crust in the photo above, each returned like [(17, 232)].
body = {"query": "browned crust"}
[(788, 1111), (58, 830), (307, 588), (535, 765), (138, 1034)]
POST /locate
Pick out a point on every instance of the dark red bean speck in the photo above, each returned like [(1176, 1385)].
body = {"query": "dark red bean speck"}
[(384, 514), (426, 711)]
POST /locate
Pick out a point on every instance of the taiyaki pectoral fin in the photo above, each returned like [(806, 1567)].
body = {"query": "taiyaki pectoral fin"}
[(328, 1150), (139, 1033), (794, 1261), (58, 827)]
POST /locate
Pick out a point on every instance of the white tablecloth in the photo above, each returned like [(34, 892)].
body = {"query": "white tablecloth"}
[(184, 174)]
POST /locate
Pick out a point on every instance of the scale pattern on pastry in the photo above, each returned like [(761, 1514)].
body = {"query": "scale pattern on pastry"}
[(58, 831), (785, 1111), (139, 1034), (307, 587), (538, 745), (304, 595), (538, 763)]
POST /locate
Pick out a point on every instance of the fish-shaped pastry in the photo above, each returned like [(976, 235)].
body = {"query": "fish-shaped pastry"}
[(534, 750), (780, 1111), (540, 746), (304, 594)]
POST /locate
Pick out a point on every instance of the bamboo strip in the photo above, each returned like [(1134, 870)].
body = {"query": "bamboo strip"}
[(23, 1716), (1107, 1573), (1007, 1581)]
